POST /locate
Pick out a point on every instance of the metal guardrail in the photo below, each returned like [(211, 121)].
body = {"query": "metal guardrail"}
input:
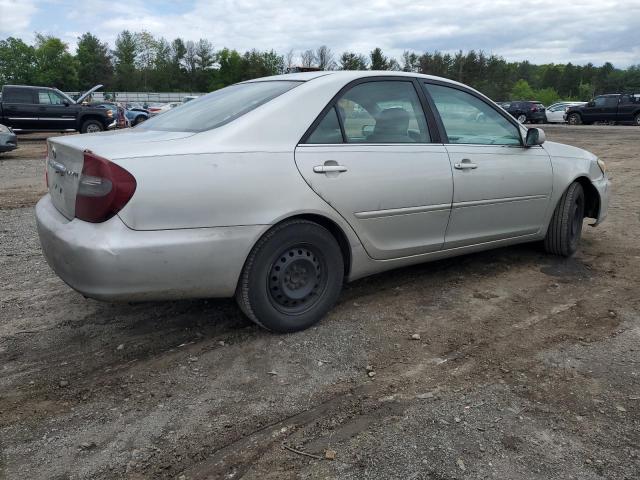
[(139, 97)]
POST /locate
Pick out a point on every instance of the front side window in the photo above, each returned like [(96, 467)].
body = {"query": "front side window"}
[(377, 112), (49, 98), (598, 101), (611, 102), (469, 120), (218, 108)]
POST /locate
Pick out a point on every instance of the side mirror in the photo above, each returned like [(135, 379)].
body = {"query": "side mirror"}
[(367, 130), (535, 136), (65, 103)]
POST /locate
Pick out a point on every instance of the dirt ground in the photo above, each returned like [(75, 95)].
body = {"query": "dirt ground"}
[(527, 366)]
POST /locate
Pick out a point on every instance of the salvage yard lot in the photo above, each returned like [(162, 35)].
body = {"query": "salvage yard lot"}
[(527, 366)]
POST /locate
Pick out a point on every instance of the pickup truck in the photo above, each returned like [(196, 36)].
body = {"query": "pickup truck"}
[(611, 108), (27, 108)]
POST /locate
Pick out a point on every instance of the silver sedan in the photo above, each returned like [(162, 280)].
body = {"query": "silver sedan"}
[(279, 189)]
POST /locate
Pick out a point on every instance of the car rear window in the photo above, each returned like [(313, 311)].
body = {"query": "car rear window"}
[(219, 107)]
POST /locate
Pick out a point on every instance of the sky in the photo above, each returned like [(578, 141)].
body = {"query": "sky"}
[(541, 31)]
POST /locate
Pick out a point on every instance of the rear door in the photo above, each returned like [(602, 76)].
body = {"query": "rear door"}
[(374, 157), (501, 189), (20, 108)]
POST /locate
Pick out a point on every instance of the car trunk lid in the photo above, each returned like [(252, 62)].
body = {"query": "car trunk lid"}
[(64, 166), (66, 157)]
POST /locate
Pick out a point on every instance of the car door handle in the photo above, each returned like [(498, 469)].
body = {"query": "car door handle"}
[(465, 164), (329, 168)]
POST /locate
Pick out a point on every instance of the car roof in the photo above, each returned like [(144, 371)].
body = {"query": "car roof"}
[(27, 86), (349, 75)]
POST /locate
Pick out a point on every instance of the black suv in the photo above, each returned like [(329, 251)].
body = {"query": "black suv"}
[(610, 108), (26, 108), (526, 111)]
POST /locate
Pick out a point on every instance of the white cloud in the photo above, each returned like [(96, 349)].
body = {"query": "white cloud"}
[(15, 16), (544, 31)]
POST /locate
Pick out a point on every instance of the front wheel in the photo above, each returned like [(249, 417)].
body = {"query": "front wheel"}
[(522, 118), (292, 277), (91, 126), (139, 119), (565, 229), (636, 121), (574, 119)]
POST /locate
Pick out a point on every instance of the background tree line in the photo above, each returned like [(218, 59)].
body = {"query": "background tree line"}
[(141, 62)]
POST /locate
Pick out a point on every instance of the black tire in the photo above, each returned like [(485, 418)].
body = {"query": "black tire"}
[(292, 277), (574, 119), (522, 118), (565, 228), (636, 121), (92, 126), (139, 119)]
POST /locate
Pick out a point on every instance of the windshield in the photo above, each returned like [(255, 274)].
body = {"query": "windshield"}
[(217, 108)]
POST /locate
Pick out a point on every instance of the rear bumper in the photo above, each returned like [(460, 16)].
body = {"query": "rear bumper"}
[(109, 261), (603, 185)]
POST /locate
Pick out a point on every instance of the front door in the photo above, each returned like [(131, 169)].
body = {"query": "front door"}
[(501, 188), (371, 158), (54, 113)]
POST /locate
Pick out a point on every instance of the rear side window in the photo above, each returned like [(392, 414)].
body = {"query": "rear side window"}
[(218, 108), (328, 130), (18, 95), (469, 120)]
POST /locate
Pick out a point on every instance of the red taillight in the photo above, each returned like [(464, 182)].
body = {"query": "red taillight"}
[(104, 189)]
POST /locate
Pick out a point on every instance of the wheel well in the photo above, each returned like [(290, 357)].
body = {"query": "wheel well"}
[(591, 198), (337, 233), (91, 117)]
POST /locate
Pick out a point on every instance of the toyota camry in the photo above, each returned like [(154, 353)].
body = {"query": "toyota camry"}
[(278, 190)]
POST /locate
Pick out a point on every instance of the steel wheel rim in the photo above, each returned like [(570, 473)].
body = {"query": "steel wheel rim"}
[(93, 128), (522, 118), (297, 279)]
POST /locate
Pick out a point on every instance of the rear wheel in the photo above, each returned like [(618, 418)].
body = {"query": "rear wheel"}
[(292, 277), (574, 119), (637, 120), (139, 119), (565, 229), (91, 126), (522, 118)]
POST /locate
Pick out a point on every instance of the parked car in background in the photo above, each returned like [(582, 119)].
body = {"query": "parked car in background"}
[(278, 194), (526, 111), (188, 98), (115, 111), (27, 108), (8, 139), (158, 108), (610, 108), (556, 113), (136, 116)]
